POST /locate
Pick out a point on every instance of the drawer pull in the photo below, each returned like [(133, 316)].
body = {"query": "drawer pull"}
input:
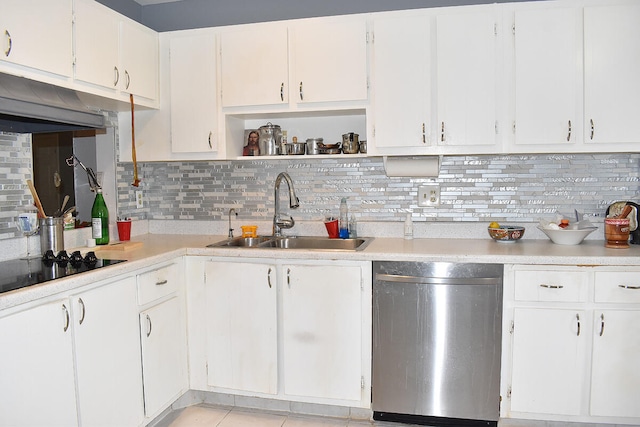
[(629, 286), (162, 282), (578, 322), (544, 285), (601, 324)]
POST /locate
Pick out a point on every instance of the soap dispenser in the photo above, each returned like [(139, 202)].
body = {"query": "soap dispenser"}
[(408, 227), (344, 219)]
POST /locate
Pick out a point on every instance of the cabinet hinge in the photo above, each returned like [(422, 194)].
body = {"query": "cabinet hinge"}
[(511, 328), (495, 29), (362, 382), (496, 126), (509, 392), (513, 28)]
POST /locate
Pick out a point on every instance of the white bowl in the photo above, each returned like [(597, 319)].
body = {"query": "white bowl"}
[(568, 237)]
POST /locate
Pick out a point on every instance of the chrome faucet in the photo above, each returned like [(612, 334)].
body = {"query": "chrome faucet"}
[(283, 221), (232, 210)]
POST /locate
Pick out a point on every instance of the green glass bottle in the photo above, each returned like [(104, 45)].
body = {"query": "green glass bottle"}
[(100, 220)]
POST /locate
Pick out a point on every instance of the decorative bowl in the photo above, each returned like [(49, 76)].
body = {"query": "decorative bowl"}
[(506, 233), (568, 237)]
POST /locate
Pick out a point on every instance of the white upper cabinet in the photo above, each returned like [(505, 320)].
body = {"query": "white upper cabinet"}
[(96, 25), (611, 70), (139, 59), (401, 75), (466, 56), (115, 53), (309, 61), (254, 65), (37, 34), (547, 89), (329, 59), (194, 99)]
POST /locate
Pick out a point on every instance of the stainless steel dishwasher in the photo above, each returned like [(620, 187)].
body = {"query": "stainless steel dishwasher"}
[(436, 343)]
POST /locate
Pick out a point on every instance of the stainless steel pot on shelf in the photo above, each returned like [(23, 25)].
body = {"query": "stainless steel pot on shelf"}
[(350, 143), (270, 137)]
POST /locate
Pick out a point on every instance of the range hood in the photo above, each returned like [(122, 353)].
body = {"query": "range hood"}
[(28, 106)]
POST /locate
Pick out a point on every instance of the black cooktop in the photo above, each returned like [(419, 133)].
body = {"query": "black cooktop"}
[(20, 273)]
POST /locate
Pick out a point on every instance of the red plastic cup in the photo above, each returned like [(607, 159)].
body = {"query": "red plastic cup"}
[(124, 230), (332, 228)]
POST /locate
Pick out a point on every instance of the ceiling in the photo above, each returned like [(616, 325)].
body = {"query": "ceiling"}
[(148, 2)]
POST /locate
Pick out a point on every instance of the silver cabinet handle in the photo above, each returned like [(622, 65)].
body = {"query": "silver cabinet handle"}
[(210, 133), (83, 310), (282, 91), (126, 74), (66, 318), (269, 277), (116, 76), (569, 134), (301, 93), (10, 44), (601, 324), (424, 135), (578, 322), (442, 132), (149, 326), (544, 285), (593, 128), (289, 277), (629, 286), (162, 282)]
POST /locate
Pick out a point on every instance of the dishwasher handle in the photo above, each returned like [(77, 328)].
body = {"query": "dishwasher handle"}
[(438, 280)]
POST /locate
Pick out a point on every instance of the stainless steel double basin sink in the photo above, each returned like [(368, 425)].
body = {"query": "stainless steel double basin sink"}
[(295, 242)]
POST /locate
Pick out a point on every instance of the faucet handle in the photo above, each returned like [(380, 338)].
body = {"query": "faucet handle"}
[(285, 222)]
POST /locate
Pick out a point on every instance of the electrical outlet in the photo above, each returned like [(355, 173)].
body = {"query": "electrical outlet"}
[(139, 201), (429, 194)]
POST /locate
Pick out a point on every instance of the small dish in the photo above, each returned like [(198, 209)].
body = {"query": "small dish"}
[(506, 233)]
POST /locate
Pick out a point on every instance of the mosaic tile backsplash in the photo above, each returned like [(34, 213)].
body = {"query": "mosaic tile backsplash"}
[(516, 188)]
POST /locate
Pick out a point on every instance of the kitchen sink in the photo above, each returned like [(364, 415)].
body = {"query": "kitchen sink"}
[(295, 242), (241, 242)]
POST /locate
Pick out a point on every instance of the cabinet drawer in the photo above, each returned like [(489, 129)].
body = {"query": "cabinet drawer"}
[(560, 286), (617, 286), (157, 283)]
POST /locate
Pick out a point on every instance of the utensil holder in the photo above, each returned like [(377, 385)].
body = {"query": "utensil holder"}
[(52, 234)]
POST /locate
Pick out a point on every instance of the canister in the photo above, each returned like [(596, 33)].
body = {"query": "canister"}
[(270, 138), (52, 234)]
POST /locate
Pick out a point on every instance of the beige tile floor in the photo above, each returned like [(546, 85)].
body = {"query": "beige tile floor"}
[(204, 415)]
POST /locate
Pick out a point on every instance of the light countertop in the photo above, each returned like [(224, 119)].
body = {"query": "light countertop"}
[(159, 248)]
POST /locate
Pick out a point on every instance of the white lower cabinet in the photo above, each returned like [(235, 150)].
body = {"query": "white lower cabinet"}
[(574, 337), (94, 333), (297, 331), (163, 336), (37, 360)]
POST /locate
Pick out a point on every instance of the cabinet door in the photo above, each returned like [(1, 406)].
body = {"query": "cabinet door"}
[(322, 331), (193, 94), (330, 61), (548, 57), (466, 78), (96, 25), (402, 77), (37, 386), (37, 34), (139, 59), (549, 349), (615, 372), (164, 347), (612, 67), (254, 66), (108, 359), (241, 325)]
